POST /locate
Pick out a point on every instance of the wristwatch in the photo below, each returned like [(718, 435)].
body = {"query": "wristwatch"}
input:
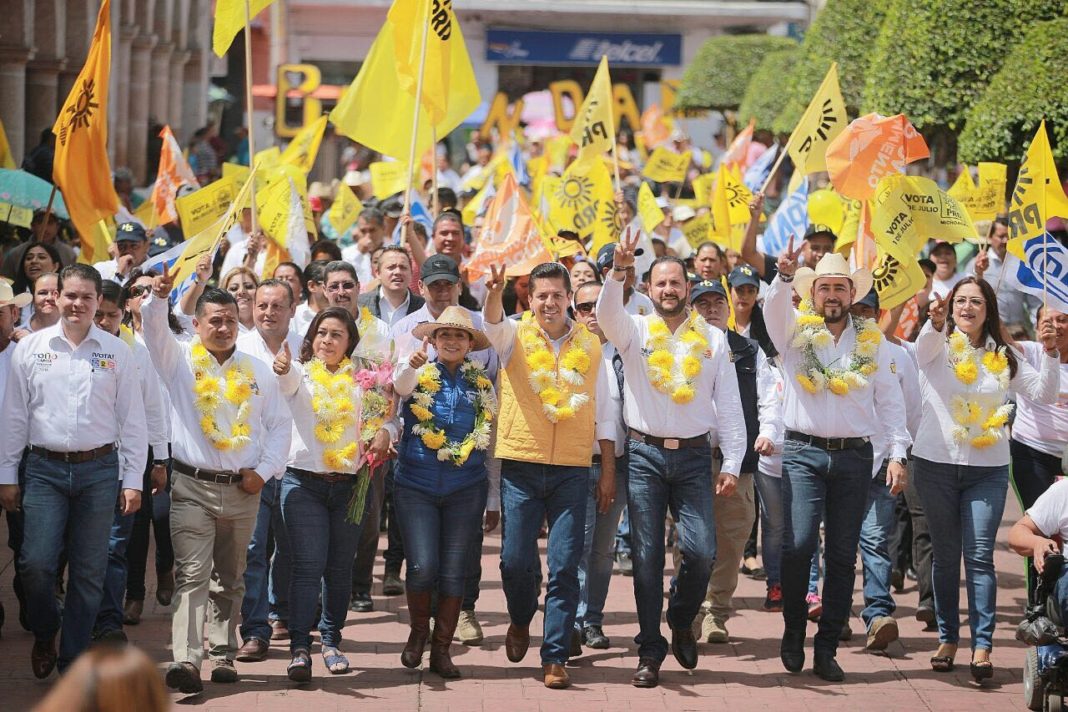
[(897, 460), (786, 277)]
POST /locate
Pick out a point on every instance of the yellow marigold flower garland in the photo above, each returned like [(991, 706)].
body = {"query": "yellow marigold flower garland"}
[(335, 413), (673, 362), (212, 392), (554, 380), (979, 425), (811, 333), (432, 435)]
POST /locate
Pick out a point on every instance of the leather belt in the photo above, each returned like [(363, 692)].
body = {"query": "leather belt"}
[(669, 443), (74, 458), (829, 444), (596, 459), (199, 473), (330, 477)]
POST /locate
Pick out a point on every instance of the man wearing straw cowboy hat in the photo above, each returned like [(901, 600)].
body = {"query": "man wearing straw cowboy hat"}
[(840, 391)]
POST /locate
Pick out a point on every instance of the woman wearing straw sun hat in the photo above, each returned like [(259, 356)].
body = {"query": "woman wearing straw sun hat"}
[(440, 490)]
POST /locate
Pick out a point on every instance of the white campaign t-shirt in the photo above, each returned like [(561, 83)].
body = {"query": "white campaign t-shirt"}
[(1050, 511)]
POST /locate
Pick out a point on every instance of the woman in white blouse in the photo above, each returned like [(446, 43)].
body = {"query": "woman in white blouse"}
[(961, 453), (319, 483)]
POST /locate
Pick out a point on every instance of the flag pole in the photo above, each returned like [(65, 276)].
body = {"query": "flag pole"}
[(415, 114), (248, 102), (778, 162), (47, 215), (434, 172)]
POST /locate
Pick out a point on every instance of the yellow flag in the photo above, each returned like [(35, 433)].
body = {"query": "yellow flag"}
[(895, 281), (593, 131), (6, 159), (230, 19), (477, 201), (902, 200), (702, 188), (15, 215), (236, 170), (985, 200), (95, 243), (666, 166), (822, 121), (345, 210), (697, 230), (1038, 195), (201, 208), (146, 213), (648, 210), (388, 178), (304, 147), (730, 210), (268, 157), (81, 168), (450, 92), (577, 203)]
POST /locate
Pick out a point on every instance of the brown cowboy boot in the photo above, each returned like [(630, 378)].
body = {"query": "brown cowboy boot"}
[(444, 627), (419, 620)]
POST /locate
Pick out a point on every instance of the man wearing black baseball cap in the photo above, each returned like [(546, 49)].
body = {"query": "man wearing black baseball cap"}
[(131, 243), (818, 241), (635, 303)]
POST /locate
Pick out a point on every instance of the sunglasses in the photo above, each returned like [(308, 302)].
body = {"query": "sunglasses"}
[(338, 286), (139, 291), (585, 307)]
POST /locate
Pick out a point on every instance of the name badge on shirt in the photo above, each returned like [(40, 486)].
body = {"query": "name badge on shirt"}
[(42, 362), (893, 366), (103, 362)]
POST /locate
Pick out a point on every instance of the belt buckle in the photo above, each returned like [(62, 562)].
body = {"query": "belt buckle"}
[(671, 443), (840, 444), (66, 457)]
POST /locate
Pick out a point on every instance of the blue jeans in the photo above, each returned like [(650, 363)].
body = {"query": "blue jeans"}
[(67, 507), (598, 548), (879, 523), (109, 617), (266, 576), (965, 504), (771, 525), (832, 485), (439, 533), (324, 545), (623, 534), (532, 493), (679, 480)]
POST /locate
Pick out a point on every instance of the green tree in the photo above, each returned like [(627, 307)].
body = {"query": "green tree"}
[(764, 98), (844, 31), (719, 74), (934, 58), (1029, 86)]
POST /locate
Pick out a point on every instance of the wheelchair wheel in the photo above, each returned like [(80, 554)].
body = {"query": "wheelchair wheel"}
[(1032, 683)]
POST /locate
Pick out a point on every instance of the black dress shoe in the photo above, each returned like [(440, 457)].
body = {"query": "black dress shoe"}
[(792, 650), (43, 657), (647, 674), (185, 678), (361, 602), (576, 644), (684, 647), (827, 668), (595, 638)]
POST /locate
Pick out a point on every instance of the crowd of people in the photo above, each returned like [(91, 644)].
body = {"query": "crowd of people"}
[(624, 404)]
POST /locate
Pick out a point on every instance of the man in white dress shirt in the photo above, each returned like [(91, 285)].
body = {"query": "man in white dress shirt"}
[(265, 609), (668, 449), (223, 455), (827, 454), (73, 398)]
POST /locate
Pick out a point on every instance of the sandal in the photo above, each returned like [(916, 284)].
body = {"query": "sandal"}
[(944, 663), (299, 669), (982, 670), (335, 662)]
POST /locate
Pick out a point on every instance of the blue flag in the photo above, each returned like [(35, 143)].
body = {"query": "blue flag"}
[(1031, 275), (757, 173), (519, 166), (169, 258), (420, 215), (790, 219)]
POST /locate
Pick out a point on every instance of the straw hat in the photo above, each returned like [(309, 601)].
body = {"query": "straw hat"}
[(8, 298), (453, 318), (832, 265)]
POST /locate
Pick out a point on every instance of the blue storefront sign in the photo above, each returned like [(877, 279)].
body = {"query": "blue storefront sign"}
[(583, 48)]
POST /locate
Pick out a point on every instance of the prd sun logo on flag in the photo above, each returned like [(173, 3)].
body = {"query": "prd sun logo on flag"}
[(886, 273), (574, 192), (81, 112), (611, 217), (1023, 183)]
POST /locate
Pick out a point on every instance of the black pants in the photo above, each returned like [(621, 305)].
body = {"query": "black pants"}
[(394, 553), (1032, 472), (921, 543)]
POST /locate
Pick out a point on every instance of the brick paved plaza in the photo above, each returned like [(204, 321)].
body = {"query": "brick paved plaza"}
[(743, 675)]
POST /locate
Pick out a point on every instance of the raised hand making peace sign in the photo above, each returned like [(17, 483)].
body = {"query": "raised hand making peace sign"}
[(788, 262), (623, 258)]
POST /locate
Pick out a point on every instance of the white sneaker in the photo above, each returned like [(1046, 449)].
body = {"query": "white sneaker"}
[(468, 630)]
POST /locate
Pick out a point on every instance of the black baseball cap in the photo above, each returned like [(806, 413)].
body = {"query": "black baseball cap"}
[(742, 275), (440, 267), (130, 232), (708, 286), (607, 253), (871, 299), (818, 229)]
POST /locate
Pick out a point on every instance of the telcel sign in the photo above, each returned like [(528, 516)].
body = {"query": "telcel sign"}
[(582, 48)]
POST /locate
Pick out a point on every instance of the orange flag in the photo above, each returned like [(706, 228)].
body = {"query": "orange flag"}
[(509, 234), (738, 152), (173, 173), (656, 128), (870, 148)]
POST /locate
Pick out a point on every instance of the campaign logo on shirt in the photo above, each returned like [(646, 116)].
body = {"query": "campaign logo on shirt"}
[(103, 362), (43, 361)]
